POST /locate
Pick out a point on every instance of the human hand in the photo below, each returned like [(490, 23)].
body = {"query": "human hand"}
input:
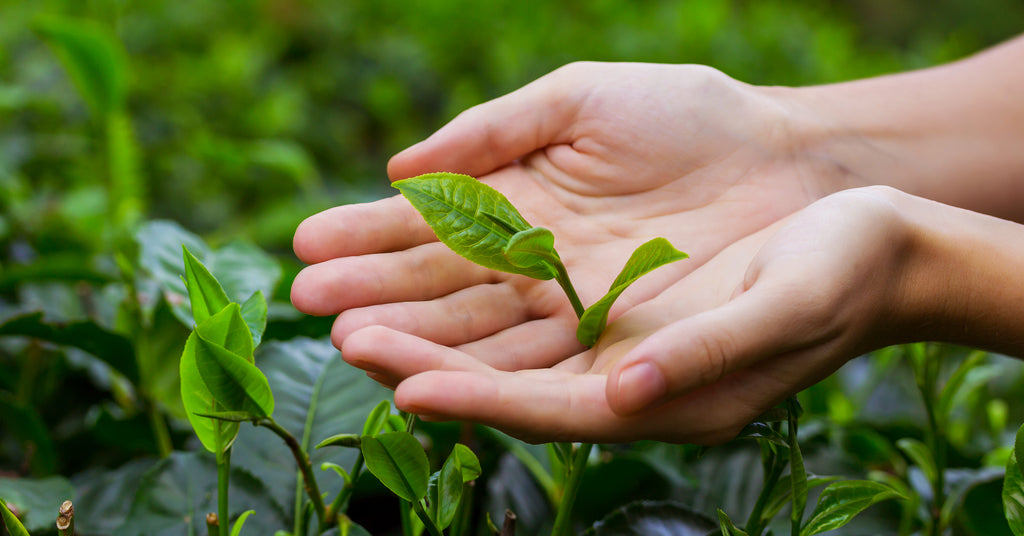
[(607, 156), (768, 316)]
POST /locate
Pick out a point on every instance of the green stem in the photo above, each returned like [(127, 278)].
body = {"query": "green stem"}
[(755, 524), (563, 519), (427, 522), (223, 472), (927, 376), (563, 280), (338, 505), (302, 459), (160, 433)]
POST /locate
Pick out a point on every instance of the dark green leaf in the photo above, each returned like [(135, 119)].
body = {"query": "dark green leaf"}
[(842, 501), (204, 291), (37, 500), (13, 524), (445, 492), (783, 494), (397, 459), (646, 518), (24, 422), (111, 348), (229, 416), (316, 395), (1013, 494), (177, 492), (797, 473), (94, 60), (533, 248), (103, 496), (469, 464), (471, 218), (727, 527), (650, 255)]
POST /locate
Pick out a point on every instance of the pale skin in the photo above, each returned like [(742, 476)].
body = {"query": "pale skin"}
[(797, 262)]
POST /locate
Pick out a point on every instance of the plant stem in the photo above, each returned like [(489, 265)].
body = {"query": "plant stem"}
[(66, 519), (427, 522), (302, 459), (160, 433), (927, 375), (562, 277), (212, 524), (563, 519), (339, 503), (771, 478), (223, 472)]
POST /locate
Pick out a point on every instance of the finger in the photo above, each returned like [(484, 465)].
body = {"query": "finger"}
[(495, 133), (764, 321), (420, 273), (391, 354), (535, 344), (389, 224), (533, 405), (458, 318)]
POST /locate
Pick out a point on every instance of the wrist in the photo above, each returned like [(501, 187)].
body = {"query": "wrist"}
[(961, 278)]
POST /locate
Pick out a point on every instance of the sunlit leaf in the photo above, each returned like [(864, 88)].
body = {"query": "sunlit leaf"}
[(473, 219), (650, 255), (840, 502), (533, 248), (397, 459), (204, 291)]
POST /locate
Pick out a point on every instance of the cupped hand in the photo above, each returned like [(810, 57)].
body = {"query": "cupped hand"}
[(607, 156), (768, 316)]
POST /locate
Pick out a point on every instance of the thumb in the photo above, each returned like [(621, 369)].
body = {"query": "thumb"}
[(704, 348), (495, 133)]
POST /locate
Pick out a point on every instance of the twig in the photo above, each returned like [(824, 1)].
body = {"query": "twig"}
[(212, 524), (302, 460), (66, 519), (509, 527)]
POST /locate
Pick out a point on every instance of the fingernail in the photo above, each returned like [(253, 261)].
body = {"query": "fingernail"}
[(640, 385)]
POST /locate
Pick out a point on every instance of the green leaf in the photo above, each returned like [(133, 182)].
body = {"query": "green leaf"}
[(93, 57), (215, 435), (235, 383), (949, 391), (103, 496), (174, 496), (919, 453), (1013, 491), (111, 348), (445, 492), (533, 248), (229, 416), (469, 464), (14, 526), (397, 459), (337, 469), (842, 501), (644, 518), (37, 500), (650, 255), (783, 493), (473, 219), (341, 440), (22, 420), (727, 527), (236, 529), (377, 418), (762, 432), (254, 312), (204, 291)]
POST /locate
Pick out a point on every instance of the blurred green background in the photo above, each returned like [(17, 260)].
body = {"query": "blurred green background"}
[(250, 115)]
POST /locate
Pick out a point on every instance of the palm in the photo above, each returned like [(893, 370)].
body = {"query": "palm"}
[(629, 163)]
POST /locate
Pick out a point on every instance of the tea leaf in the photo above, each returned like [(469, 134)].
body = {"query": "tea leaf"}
[(254, 312), (727, 527), (842, 501), (236, 529), (445, 492), (650, 255), (919, 454), (235, 382), (469, 464), (14, 526), (204, 291), (471, 218), (229, 416), (797, 472), (783, 493), (1013, 489), (215, 435), (341, 440), (397, 459), (377, 418), (534, 247)]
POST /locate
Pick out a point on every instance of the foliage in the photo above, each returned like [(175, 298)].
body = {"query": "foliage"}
[(122, 124)]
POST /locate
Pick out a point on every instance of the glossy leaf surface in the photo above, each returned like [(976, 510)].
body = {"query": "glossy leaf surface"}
[(235, 383), (471, 218), (397, 459), (842, 501), (533, 248), (650, 255)]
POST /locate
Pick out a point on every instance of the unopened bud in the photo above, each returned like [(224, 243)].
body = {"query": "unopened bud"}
[(66, 509)]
